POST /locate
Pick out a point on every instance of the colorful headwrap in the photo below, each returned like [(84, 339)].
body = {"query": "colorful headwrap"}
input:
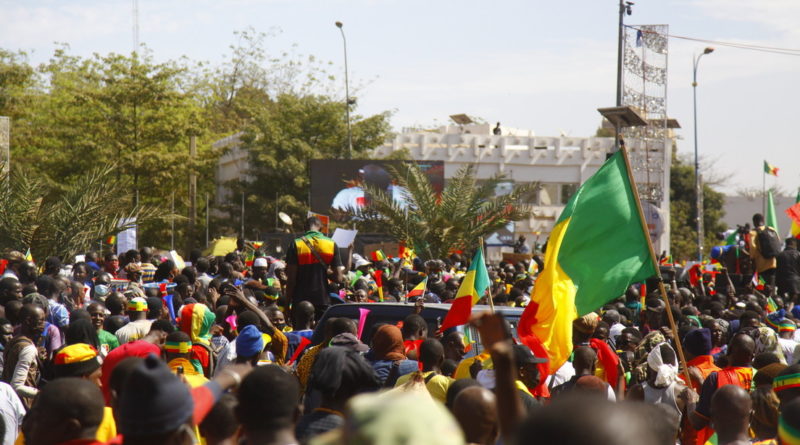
[(788, 434), (196, 320), (137, 305), (787, 326), (786, 382), (75, 360), (181, 347)]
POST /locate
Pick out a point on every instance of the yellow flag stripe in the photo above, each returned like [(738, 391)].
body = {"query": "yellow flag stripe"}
[(554, 293)]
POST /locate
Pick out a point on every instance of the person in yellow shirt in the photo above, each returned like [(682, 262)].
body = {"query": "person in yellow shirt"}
[(178, 349), (431, 354)]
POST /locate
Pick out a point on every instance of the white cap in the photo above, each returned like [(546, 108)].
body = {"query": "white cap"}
[(260, 262)]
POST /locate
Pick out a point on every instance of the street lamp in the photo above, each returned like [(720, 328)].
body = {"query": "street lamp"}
[(346, 93), (697, 187)]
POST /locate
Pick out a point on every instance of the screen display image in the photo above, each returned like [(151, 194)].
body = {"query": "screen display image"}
[(337, 185)]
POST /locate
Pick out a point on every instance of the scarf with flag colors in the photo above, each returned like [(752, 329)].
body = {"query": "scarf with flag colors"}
[(770, 169), (419, 290), (601, 220), (472, 288)]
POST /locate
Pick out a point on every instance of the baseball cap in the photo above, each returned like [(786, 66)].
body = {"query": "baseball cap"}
[(524, 356)]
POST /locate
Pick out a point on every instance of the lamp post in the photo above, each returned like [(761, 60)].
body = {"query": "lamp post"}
[(340, 25), (624, 8), (697, 186)]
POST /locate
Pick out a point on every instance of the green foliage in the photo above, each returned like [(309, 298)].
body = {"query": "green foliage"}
[(64, 221), (73, 114), (683, 211), (466, 211)]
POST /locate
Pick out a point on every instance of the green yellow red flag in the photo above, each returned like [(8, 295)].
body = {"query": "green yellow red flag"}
[(472, 288), (419, 290), (595, 251)]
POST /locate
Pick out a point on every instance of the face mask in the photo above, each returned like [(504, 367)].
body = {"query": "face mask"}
[(101, 290)]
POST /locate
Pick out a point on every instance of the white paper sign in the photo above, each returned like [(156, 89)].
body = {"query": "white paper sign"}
[(343, 237)]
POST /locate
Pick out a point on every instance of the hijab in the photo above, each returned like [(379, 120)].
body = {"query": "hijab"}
[(387, 344)]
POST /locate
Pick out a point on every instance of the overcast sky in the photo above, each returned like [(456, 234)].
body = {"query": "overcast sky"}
[(544, 66)]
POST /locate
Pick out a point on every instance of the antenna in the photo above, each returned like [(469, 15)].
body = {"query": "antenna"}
[(135, 4)]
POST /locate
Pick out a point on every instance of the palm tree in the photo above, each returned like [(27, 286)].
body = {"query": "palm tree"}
[(435, 225), (65, 220)]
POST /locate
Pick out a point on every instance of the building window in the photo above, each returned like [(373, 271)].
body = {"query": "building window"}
[(567, 190)]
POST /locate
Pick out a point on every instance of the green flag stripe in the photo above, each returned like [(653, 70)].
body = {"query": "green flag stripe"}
[(604, 249)]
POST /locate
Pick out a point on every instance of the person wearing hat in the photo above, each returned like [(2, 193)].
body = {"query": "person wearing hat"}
[(81, 360), (134, 273), (608, 362), (178, 352), (249, 345), (528, 375), (139, 325), (162, 410), (697, 348)]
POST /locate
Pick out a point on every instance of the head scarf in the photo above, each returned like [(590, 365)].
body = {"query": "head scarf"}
[(587, 324), (249, 343), (698, 342), (767, 341), (196, 320), (387, 343), (667, 373)]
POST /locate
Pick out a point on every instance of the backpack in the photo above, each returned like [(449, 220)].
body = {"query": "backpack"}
[(769, 244)]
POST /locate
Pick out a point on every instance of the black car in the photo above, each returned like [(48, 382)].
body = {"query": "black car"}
[(391, 313)]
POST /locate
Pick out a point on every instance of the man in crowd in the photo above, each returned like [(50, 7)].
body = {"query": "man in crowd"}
[(311, 261)]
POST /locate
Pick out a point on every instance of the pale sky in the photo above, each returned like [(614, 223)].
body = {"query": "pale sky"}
[(540, 65)]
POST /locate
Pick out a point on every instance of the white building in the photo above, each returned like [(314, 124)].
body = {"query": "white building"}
[(560, 164)]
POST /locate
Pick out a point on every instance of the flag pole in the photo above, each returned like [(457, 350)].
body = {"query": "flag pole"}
[(662, 290), (491, 300), (764, 191)]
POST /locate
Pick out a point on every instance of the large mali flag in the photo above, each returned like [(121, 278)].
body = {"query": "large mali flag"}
[(595, 251), (472, 288)]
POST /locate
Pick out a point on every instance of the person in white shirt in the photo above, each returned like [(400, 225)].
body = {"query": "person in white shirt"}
[(139, 325)]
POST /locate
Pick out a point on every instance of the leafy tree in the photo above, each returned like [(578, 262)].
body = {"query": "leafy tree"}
[(64, 221), (283, 137), (466, 211), (683, 211)]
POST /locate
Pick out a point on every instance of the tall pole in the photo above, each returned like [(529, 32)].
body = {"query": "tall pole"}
[(697, 185), (172, 231), (623, 8), (242, 213), (340, 25), (207, 220), (192, 194)]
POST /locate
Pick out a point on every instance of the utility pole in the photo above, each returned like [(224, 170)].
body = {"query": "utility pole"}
[(698, 184), (135, 13)]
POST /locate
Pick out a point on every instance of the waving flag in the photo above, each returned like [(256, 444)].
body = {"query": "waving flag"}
[(770, 169), (419, 290), (794, 214), (472, 288), (771, 216), (601, 220)]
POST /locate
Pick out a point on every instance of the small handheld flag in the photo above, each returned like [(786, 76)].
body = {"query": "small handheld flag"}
[(378, 255), (419, 290), (28, 256)]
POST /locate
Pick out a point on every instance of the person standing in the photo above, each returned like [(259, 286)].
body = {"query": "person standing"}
[(312, 260), (23, 363), (764, 246), (787, 273)]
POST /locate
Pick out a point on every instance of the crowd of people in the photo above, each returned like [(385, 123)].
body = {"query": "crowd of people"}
[(130, 349)]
